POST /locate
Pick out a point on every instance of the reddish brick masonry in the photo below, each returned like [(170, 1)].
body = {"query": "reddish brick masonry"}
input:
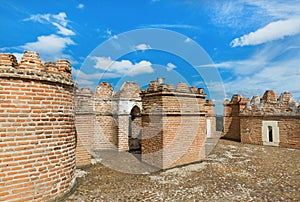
[(37, 146), (168, 125), (174, 124), (269, 120)]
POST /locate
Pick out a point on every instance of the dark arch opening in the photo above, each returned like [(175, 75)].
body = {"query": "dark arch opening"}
[(134, 134), (270, 133)]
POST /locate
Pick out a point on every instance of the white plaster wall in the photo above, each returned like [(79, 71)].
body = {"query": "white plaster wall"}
[(125, 106), (208, 128)]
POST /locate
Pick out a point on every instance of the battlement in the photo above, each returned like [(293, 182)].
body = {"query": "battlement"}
[(32, 67), (159, 86), (271, 104), (37, 128)]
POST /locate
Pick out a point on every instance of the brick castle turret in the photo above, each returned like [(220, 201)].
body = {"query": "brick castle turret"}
[(37, 148)]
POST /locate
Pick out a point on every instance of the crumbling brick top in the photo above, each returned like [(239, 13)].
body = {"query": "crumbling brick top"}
[(104, 90), (31, 67), (182, 89), (129, 90), (236, 99), (270, 104)]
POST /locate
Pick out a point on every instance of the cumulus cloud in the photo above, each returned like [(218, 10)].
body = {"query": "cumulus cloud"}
[(59, 21), (49, 44), (142, 47), (272, 31), (79, 74), (170, 66), (50, 47), (124, 67), (91, 80)]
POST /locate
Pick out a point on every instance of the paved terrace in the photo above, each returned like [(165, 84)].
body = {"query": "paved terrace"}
[(232, 172)]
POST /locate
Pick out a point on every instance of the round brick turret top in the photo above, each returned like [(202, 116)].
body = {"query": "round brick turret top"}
[(8, 60), (270, 96), (32, 67), (236, 98)]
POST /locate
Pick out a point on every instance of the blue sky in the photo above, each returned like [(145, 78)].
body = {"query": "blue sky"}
[(227, 47)]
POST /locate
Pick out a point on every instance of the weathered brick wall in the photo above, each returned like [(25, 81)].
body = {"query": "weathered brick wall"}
[(183, 140), (106, 135), (231, 117), (283, 109), (84, 123), (108, 117), (245, 120), (173, 125), (251, 129), (289, 129), (105, 109), (37, 152)]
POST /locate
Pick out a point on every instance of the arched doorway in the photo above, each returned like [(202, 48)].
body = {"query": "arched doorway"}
[(134, 134)]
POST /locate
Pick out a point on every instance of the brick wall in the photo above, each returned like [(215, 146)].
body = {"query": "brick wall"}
[(37, 146), (231, 117), (247, 121), (173, 125), (289, 130), (84, 123), (102, 118)]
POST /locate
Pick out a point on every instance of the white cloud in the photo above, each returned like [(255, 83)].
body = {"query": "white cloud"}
[(59, 21), (51, 47), (61, 18), (63, 30), (272, 31), (80, 6), (41, 18), (182, 26), (91, 80), (273, 67), (108, 34), (124, 67), (142, 47), (170, 66), (80, 75), (277, 9)]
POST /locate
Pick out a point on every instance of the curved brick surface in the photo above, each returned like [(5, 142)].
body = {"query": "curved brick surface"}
[(37, 146)]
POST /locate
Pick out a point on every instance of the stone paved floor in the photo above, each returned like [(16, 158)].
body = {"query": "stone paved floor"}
[(232, 172)]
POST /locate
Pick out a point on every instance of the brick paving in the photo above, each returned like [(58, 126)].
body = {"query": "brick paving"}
[(232, 172)]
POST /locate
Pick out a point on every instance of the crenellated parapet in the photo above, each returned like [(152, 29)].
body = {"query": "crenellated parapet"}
[(268, 120), (32, 67), (37, 130), (271, 104), (182, 89), (174, 119)]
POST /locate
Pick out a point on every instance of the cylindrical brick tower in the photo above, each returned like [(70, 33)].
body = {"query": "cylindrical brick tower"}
[(37, 145)]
